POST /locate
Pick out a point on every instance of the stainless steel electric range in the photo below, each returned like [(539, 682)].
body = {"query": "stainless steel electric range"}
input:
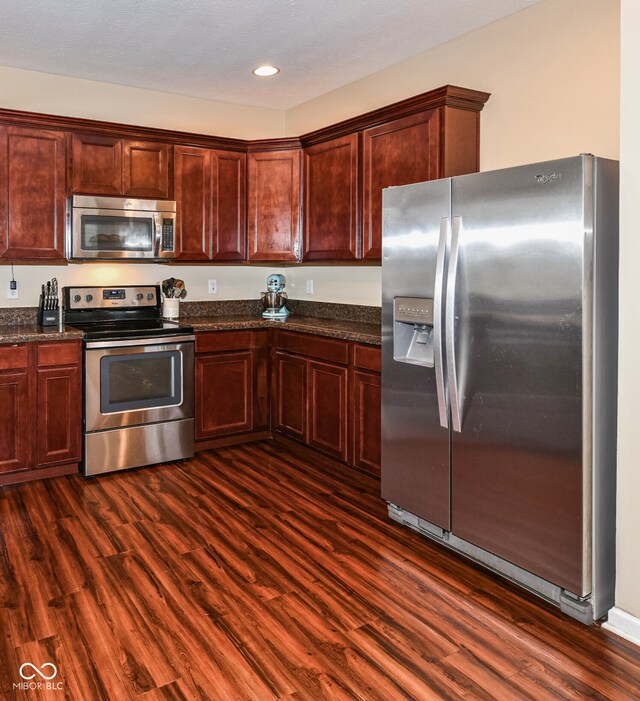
[(138, 377)]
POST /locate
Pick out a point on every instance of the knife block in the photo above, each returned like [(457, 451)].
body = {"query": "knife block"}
[(47, 317)]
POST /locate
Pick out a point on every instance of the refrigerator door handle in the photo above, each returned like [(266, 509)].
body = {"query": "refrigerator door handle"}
[(438, 336), (456, 408)]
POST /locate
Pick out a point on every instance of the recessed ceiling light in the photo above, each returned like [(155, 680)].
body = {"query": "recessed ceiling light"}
[(264, 71)]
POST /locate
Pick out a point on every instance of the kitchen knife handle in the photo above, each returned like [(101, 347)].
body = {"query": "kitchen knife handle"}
[(452, 274), (444, 243)]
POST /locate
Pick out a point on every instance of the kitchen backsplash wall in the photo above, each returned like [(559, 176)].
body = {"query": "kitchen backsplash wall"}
[(338, 284)]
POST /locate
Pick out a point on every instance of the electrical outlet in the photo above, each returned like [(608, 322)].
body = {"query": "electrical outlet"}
[(13, 293), (309, 287), (213, 287)]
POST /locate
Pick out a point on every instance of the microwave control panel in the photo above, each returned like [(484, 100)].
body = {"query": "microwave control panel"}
[(168, 239)]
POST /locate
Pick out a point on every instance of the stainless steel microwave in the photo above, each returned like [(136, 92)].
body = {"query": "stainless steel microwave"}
[(119, 228)]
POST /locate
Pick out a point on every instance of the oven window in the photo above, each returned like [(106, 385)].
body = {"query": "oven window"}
[(140, 381), (106, 233)]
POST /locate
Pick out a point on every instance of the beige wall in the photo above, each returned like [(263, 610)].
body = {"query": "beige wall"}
[(552, 70), (72, 97), (628, 547)]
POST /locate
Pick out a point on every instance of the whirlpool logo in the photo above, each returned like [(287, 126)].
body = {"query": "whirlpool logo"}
[(37, 678), (544, 179)]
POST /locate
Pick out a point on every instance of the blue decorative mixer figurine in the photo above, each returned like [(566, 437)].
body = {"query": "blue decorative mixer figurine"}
[(274, 300)]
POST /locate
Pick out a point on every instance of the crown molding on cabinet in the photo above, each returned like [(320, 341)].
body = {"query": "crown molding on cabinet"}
[(446, 96)]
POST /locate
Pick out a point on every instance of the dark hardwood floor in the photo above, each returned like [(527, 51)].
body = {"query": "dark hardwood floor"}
[(260, 572)]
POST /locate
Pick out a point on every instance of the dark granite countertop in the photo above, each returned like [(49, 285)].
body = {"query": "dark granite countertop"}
[(30, 333), (345, 329), (348, 322)]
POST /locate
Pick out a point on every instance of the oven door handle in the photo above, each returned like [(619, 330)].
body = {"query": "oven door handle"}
[(129, 342)]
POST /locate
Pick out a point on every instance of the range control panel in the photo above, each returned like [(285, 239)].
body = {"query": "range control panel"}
[(111, 297)]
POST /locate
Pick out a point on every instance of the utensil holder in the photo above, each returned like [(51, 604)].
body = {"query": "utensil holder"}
[(171, 308)]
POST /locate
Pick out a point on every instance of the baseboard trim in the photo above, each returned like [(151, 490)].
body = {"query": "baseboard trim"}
[(623, 624), (38, 473), (213, 443)]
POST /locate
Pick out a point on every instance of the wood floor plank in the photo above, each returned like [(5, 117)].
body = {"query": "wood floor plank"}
[(264, 572)]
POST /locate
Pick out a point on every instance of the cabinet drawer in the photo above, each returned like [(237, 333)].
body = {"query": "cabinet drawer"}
[(214, 341), (58, 354), (367, 358), (313, 346), (13, 357)]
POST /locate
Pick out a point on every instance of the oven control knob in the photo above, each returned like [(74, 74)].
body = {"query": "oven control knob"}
[(149, 295), (88, 298), (139, 296), (76, 298)]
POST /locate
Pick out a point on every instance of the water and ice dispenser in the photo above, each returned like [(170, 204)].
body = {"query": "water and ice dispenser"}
[(413, 331)]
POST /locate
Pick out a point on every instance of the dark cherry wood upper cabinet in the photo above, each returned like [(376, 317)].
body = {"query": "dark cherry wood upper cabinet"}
[(192, 188), (229, 177), (32, 199), (274, 205), (97, 164), (146, 169), (210, 192), (400, 152), (331, 200), (107, 165)]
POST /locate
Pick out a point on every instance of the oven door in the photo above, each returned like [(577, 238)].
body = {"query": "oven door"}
[(135, 382)]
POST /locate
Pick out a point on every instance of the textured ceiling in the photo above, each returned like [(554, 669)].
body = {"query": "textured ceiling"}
[(207, 48)]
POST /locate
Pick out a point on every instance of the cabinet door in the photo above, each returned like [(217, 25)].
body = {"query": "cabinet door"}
[(229, 205), (274, 205), (146, 168), (192, 186), (290, 399), (59, 415), (331, 200), (224, 394), (400, 152), (327, 407), (366, 421), (96, 165), (33, 193), (14, 421)]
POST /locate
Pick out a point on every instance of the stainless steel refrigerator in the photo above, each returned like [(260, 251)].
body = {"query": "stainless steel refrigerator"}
[(499, 353)]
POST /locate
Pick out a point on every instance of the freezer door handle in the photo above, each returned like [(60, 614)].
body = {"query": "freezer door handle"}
[(455, 399), (438, 337)]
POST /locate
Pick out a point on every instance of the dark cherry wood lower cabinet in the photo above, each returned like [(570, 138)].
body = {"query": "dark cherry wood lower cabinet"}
[(327, 409), (231, 383), (40, 410), (326, 393), (14, 420), (225, 398), (366, 421), (59, 402), (366, 408), (289, 398)]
